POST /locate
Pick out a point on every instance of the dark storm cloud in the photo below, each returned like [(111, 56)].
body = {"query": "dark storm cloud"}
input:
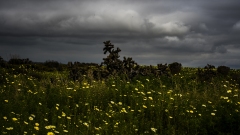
[(156, 31)]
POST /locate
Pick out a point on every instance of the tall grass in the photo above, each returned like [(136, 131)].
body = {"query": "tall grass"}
[(147, 105)]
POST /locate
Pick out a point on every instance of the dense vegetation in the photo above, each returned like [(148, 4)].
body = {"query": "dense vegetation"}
[(117, 97)]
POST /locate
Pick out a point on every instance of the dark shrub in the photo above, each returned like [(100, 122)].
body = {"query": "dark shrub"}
[(223, 70), (36, 75), (207, 73), (114, 66), (162, 69), (235, 76), (18, 61), (75, 74), (53, 65), (209, 67), (175, 67), (3, 63), (112, 62)]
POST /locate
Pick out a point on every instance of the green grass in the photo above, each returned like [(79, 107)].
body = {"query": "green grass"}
[(177, 105)]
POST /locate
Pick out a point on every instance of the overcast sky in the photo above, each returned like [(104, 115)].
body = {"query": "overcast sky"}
[(191, 32)]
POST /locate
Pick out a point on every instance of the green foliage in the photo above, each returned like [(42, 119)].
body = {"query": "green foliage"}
[(53, 65), (3, 63), (118, 97), (207, 73), (223, 70), (145, 105), (18, 61), (115, 66), (162, 69), (128, 68), (78, 71), (112, 61), (175, 67)]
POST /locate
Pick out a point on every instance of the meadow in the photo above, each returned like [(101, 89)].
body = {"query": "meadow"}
[(179, 104)]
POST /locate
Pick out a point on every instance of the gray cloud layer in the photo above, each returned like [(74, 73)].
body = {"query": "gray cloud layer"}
[(193, 33)]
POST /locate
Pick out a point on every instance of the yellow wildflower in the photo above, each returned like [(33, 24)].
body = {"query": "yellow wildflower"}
[(50, 133)]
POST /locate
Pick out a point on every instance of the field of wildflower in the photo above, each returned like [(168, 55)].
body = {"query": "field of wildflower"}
[(175, 105)]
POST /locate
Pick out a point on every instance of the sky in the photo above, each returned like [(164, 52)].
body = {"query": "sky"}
[(192, 32)]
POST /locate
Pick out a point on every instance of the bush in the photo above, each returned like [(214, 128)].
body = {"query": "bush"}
[(175, 68), (112, 62), (209, 67), (2, 62), (18, 61), (207, 73), (53, 65), (162, 69), (223, 70), (114, 66)]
